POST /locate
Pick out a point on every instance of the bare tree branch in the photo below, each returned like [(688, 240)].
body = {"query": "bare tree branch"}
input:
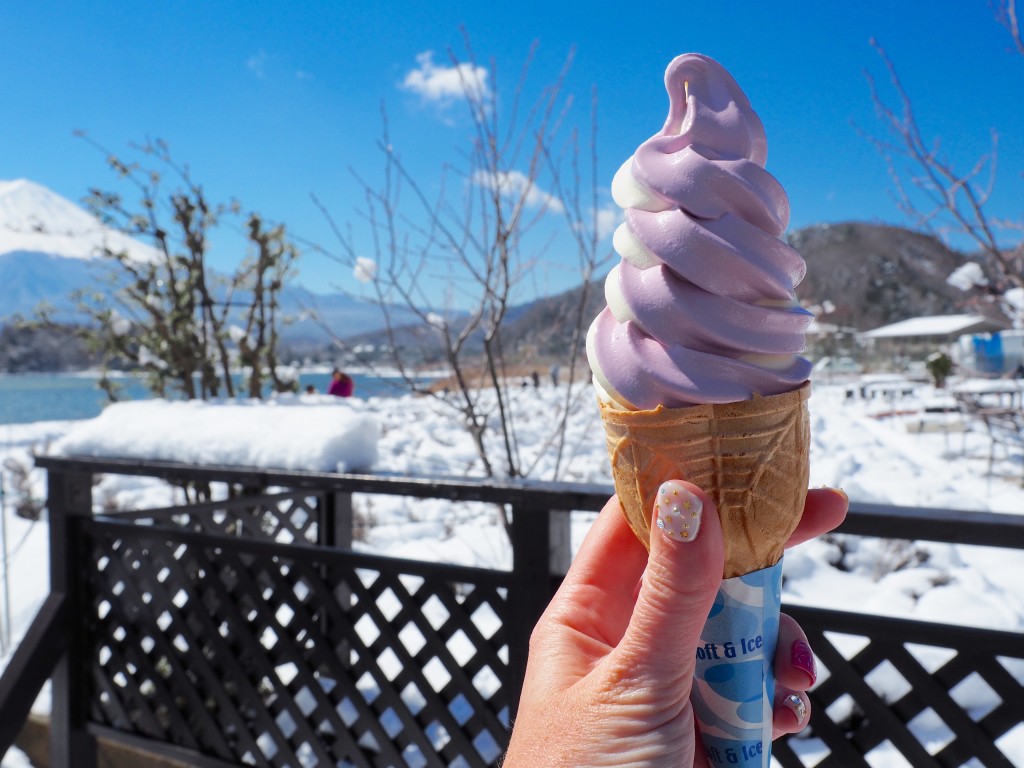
[(485, 233), (171, 317), (934, 195), (1007, 16)]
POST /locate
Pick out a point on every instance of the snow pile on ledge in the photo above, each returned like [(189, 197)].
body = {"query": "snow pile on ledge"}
[(316, 433)]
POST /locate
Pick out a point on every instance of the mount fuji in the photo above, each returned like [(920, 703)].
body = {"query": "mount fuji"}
[(34, 219), (49, 247)]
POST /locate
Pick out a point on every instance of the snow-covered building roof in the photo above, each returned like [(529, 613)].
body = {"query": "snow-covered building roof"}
[(936, 325)]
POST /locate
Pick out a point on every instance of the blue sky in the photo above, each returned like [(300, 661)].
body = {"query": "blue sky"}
[(270, 101)]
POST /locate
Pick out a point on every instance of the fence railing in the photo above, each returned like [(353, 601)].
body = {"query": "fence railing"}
[(246, 631)]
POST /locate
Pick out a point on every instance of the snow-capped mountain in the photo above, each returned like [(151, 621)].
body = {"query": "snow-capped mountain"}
[(34, 219), (50, 247)]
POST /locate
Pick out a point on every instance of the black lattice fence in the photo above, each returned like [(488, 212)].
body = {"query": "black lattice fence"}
[(236, 632), (259, 653), (284, 517), (894, 692)]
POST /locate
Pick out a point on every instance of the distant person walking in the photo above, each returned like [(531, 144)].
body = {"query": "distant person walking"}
[(341, 384), (553, 372)]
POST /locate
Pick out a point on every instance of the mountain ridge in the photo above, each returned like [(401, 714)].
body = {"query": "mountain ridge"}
[(868, 274), (876, 274)]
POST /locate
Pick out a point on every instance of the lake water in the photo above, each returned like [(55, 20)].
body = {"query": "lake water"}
[(57, 396)]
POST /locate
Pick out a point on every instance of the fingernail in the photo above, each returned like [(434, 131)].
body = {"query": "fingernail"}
[(802, 658), (677, 511), (840, 492), (796, 705)]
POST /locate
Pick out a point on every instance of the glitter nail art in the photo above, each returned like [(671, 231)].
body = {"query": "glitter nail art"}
[(797, 707), (677, 512)]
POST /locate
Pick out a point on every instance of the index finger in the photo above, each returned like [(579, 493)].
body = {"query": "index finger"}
[(824, 510)]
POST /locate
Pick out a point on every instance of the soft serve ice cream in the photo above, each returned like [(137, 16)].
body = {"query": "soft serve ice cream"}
[(701, 308), (699, 375)]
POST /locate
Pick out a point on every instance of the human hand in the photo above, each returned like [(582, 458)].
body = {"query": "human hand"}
[(612, 658)]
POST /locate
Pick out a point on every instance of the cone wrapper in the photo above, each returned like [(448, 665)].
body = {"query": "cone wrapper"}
[(734, 682), (751, 457)]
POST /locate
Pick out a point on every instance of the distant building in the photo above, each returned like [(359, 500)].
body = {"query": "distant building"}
[(910, 341)]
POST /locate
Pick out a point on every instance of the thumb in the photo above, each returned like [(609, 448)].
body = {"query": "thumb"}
[(679, 586)]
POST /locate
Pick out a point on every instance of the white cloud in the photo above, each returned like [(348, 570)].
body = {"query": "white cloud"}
[(516, 184), (257, 64), (608, 218), (365, 270), (444, 85)]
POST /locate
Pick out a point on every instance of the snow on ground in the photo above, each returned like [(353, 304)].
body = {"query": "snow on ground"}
[(884, 449), (857, 445)]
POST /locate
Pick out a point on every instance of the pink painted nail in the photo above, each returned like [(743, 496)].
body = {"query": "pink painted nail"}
[(677, 512), (803, 659)]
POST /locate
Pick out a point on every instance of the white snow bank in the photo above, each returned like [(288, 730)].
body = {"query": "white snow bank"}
[(323, 435)]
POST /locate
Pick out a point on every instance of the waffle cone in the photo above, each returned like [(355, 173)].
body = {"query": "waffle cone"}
[(751, 457)]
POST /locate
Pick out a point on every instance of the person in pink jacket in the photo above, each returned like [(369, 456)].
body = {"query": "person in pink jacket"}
[(341, 384)]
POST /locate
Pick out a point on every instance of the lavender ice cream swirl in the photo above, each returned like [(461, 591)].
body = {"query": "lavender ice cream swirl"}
[(701, 309)]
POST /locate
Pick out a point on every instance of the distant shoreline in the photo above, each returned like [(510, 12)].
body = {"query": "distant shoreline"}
[(42, 397)]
